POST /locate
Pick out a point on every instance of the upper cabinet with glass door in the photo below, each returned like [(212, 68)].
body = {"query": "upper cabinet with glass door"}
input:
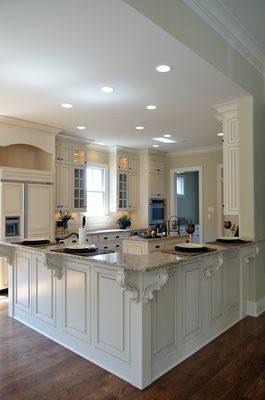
[(128, 162), (79, 155)]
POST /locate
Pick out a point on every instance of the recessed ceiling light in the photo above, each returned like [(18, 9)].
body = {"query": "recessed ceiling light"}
[(220, 134), (167, 135), (163, 68), (81, 128), (101, 144), (66, 105), (139, 128), (155, 145), (151, 107), (164, 140), (107, 89)]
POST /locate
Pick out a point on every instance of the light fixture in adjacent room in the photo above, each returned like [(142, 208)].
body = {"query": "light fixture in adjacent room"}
[(164, 140), (151, 107), (163, 68), (167, 135), (139, 128), (107, 89), (155, 145), (80, 127), (66, 105)]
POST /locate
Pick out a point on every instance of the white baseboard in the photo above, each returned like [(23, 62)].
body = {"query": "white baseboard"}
[(255, 308)]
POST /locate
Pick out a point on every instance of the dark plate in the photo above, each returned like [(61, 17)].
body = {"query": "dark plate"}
[(35, 242), (229, 241), (191, 249), (80, 251)]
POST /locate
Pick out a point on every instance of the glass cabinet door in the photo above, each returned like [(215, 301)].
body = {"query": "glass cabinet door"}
[(79, 188), (123, 190), (123, 163), (79, 156)]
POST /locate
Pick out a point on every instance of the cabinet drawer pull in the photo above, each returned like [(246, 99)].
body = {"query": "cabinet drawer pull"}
[(117, 245), (117, 237), (105, 238), (105, 247), (157, 246)]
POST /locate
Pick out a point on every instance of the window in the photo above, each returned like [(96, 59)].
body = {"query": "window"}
[(180, 184), (96, 190)]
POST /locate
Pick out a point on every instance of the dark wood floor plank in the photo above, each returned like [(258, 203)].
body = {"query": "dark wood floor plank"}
[(32, 367)]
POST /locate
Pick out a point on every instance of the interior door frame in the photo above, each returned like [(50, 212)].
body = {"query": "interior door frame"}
[(172, 194)]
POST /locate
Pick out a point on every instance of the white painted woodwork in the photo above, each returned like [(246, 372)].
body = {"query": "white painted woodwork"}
[(79, 154), (123, 180), (232, 283), (22, 281), (12, 198), (77, 310), (25, 156), (229, 116), (112, 318), (133, 183), (63, 152), (89, 310), (191, 301), (40, 210), (3, 274), (156, 164), (157, 185), (165, 324), (63, 187), (141, 246), (44, 286)]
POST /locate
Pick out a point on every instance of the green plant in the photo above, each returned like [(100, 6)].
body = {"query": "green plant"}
[(65, 216), (124, 221)]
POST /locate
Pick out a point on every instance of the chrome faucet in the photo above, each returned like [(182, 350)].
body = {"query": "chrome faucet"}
[(58, 239)]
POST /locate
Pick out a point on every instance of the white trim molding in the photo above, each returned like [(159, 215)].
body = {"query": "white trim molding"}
[(255, 308), (227, 25), (196, 150), (28, 124)]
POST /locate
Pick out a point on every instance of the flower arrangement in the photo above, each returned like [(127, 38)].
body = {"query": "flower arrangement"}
[(64, 217)]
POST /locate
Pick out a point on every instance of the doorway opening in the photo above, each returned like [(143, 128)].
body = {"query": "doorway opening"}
[(186, 199)]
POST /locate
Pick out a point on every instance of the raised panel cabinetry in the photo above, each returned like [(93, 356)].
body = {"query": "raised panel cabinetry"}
[(63, 187), (124, 180), (229, 116), (79, 183), (157, 185), (3, 274)]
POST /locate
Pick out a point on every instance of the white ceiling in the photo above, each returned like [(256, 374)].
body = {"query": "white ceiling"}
[(64, 51)]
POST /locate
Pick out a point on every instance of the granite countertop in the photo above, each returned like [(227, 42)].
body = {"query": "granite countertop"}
[(130, 261), (155, 239)]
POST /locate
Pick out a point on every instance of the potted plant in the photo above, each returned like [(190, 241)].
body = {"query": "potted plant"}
[(124, 221), (64, 217)]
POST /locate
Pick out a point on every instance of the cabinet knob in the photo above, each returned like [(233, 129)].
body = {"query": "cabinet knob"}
[(105, 238), (158, 170), (58, 158), (157, 246), (117, 245), (117, 237), (105, 247)]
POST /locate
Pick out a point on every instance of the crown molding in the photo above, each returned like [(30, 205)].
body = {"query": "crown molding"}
[(28, 124), (228, 26), (196, 150)]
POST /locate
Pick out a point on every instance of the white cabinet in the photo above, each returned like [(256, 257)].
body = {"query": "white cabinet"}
[(63, 153), (12, 198), (3, 274), (232, 282), (63, 187), (79, 155), (229, 116), (133, 190), (124, 180), (157, 185), (156, 164), (79, 183), (39, 215)]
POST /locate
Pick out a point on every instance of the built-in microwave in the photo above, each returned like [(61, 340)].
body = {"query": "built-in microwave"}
[(12, 227), (157, 211)]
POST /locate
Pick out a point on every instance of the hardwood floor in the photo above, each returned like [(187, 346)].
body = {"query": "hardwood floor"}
[(33, 367)]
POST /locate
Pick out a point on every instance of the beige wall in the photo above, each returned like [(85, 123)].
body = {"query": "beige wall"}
[(208, 162)]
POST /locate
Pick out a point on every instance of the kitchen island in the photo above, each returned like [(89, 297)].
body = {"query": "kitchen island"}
[(135, 316)]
